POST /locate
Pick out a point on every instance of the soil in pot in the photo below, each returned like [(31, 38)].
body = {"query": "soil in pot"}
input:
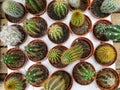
[(36, 50), (37, 74), (107, 79), (58, 32), (84, 73), (95, 9), (54, 56)]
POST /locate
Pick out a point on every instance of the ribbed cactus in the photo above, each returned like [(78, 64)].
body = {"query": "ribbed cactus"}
[(110, 6), (77, 18), (72, 54), (74, 3), (60, 8), (55, 32), (12, 8), (54, 83), (14, 83)]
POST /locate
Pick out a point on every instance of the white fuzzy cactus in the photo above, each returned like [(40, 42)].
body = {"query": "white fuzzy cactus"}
[(74, 3), (10, 35)]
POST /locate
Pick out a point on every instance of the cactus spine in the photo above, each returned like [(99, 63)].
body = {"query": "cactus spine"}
[(72, 54), (74, 3), (110, 6), (77, 18), (12, 8), (60, 8)]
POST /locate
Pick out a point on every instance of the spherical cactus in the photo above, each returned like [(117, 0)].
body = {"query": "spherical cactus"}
[(110, 6), (77, 18), (74, 3), (12, 8), (72, 54)]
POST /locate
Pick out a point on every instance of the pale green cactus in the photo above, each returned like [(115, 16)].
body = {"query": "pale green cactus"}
[(74, 3)]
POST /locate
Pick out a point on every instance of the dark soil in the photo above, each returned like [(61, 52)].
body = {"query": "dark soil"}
[(2, 76)]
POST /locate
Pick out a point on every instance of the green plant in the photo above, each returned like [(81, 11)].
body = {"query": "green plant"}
[(14, 84), (72, 54), (110, 6), (60, 8), (55, 32), (77, 18), (12, 8), (54, 83), (74, 3), (118, 89)]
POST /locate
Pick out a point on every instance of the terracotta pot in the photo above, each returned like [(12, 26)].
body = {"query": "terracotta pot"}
[(46, 73), (112, 71), (66, 32), (87, 52), (82, 30)]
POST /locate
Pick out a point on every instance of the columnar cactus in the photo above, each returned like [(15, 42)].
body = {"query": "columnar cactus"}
[(12, 8), (72, 54), (110, 6), (74, 3), (77, 18), (55, 32), (14, 83), (60, 8)]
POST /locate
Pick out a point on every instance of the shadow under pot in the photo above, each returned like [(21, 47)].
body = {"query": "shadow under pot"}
[(35, 27), (54, 56), (36, 7), (15, 81), (15, 59), (87, 45), (57, 9), (95, 9), (58, 32), (36, 75), (36, 50), (107, 79), (84, 73), (105, 54)]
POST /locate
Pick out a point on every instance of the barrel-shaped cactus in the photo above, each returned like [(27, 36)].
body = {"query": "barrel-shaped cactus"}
[(74, 3), (110, 6), (77, 18), (60, 8), (72, 54), (13, 8)]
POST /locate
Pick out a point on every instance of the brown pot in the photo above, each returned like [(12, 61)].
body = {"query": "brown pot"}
[(83, 29), (78, 78), (95, 9), (33, 13), (109, 63), (35, 58), (46, 74), (59, 64), (22, 57), (88, 48), (14, 19), (100, 38), (66, 33), (111, 72)]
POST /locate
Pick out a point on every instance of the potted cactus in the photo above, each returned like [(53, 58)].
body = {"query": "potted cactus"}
[(107, 79), (105, 54), (54, 56), (84, 73), (15, 12), (37, 74), (36, 50), (79, 23), (15, 81), (14, 58), (36, 27), (57, 9), (36, 7), (58, 32), (13, 35)]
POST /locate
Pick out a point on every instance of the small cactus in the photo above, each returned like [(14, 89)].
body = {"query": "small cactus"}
[(110, 6), (12, 8), (14, 84), (55, 32), (60, 8), (74, 3), (72, 54), (77, 18)]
